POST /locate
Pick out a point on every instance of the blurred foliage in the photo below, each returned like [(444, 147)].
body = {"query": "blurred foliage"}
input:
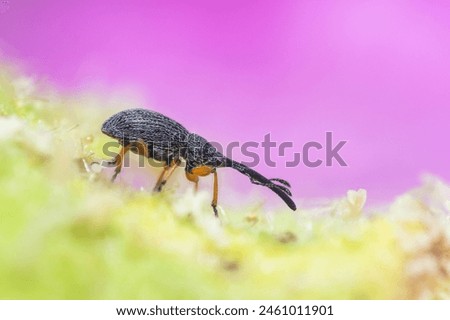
[(66, 232)]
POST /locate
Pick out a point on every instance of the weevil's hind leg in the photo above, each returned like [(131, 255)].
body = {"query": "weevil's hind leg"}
[(118, 161), (157, 187), (215, 194), (165, 175)]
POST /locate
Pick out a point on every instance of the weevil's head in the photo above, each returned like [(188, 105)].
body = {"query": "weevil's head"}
[(202, 154)]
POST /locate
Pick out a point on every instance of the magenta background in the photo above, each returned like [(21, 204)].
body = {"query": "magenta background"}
[(376, 73)]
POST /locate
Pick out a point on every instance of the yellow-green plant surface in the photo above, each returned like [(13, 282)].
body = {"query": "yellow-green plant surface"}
[(66, 232)]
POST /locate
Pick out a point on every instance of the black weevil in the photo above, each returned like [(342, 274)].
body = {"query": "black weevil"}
[(156, 136)]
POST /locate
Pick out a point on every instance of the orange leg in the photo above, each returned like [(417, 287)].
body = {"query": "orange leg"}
[(165, 175), (142, 148), (193, 178), (215, 194), (196, 186), (157, 187), (118, 161)]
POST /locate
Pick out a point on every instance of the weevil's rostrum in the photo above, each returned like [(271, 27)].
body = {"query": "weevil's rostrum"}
[(156, 136)]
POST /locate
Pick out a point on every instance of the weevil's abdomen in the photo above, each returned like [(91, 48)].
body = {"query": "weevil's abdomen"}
[(135, 124), (163, 136)]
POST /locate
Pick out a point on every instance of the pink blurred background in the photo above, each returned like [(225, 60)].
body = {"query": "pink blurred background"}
[(375, 73)]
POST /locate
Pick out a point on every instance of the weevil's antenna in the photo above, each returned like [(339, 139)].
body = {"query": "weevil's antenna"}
[(256, 178)]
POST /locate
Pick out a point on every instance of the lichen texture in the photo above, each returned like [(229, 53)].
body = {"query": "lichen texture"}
[(66, 232)]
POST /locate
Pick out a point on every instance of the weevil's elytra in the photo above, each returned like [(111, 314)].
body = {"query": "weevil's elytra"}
[(156, 136)]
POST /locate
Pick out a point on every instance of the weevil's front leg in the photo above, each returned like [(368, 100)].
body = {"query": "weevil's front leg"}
[(165, 175), (118, 161), (193, 178), (215, 194)]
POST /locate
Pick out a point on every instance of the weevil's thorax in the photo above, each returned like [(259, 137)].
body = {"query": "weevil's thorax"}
[(199, 152)]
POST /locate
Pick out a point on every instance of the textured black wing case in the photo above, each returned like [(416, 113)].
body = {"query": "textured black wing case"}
[(163, 136)]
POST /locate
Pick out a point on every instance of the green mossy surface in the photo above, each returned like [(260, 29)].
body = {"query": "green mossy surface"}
[(66, 232)]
